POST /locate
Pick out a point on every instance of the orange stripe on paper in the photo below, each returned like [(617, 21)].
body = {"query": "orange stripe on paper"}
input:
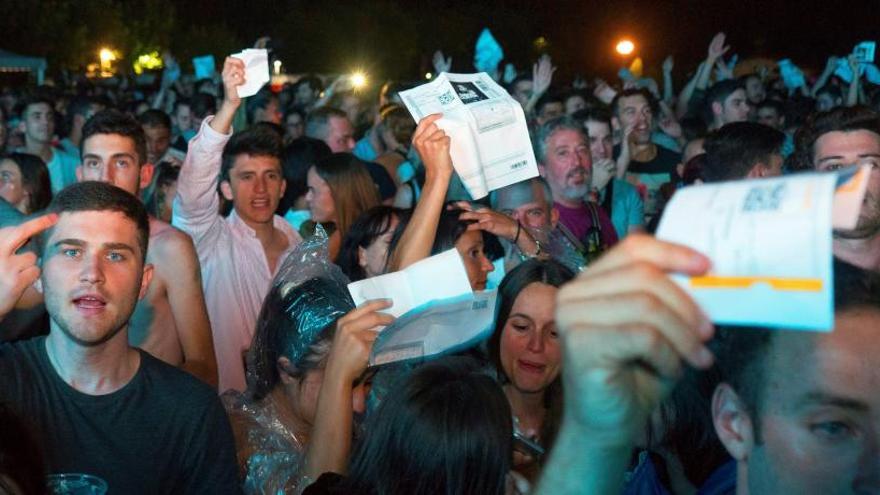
[(778, 283)]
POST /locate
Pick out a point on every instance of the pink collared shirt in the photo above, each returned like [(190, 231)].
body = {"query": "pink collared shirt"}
[(235, 272)]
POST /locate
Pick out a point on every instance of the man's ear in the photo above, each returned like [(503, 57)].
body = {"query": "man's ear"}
[(717, 108), (147, 170), (732, 421), (226, 190), (554, 217), (79, 173), (145, 280), (542, 170)]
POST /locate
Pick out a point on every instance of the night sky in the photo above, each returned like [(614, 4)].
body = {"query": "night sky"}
[(395, 38), (581, 34)]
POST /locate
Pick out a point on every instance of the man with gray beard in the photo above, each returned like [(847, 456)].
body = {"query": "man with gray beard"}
[(838, 138), (563, 153)]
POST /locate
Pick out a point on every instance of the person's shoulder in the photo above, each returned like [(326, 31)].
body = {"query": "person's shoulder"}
[(175, 386), (166, 235)]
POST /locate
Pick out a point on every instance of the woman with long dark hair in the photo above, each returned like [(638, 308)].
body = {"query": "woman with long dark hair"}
[(527, 354)]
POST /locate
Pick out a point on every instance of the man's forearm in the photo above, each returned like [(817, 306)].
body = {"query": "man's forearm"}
[(576, 466)]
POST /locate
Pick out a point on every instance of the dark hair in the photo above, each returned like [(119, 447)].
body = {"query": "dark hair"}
[(297, 158), (843, 119), (447, 429), (112, 121), (546, 99), (688, 427), (626, 93), (26, 102), (830, 89), (318, 120), (718, 93), (741, 352), (98, 196), (593, 114), (735, 148), (164, 175), (774, 104), (364, 231), (258, 101), (548, 272), (450, 228), (202, 105), (693, 169), (155, 118), (311, 81), (34, 179), (77, 106), (21, 456), (254, 141)]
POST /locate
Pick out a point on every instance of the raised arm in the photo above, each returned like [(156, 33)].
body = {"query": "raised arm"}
[(542, 77), (830, 65), (432, 144), (19, 271), (349, 354), (196, 204), (668, 94), (627, 330), (852, 96)]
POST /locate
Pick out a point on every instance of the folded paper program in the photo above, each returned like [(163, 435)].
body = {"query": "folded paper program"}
[(441, 276), (256, 63), (770, 245), (490, 139)]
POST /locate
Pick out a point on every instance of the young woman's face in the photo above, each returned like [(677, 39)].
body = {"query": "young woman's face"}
[(372, 258), (304, 396), (320, 198), (530, 353), (478, 266), (12, 186)]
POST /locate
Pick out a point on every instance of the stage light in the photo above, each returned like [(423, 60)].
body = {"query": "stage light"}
[(107, 55), (429, 76), (358, 80), (625, 47)]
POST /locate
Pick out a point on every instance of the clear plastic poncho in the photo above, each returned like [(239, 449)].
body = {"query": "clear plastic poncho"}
[(307, 296)]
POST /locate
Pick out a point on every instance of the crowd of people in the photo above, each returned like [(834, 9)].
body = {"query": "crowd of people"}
[(174, 264)]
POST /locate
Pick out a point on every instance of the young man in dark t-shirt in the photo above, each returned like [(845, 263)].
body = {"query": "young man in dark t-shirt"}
[(643, 163), (100, 406)]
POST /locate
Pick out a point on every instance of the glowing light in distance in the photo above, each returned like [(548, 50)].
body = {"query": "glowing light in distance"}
[(428, 75), (625, 47), (358, 80)]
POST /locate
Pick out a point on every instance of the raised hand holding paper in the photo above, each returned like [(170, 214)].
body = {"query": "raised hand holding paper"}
[(490, 139), (256, 62), (770, 245)]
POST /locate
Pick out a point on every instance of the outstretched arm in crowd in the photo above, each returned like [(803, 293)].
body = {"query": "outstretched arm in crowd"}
[(432, 143), (19, 270), (542, 77), (330, 446), (687, 92), (196, 204), (852, 96), (668, 95), (627, 330), (830, 66)]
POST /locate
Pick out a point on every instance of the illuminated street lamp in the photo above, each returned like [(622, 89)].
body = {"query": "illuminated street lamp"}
[(625, 47), (107, 56)]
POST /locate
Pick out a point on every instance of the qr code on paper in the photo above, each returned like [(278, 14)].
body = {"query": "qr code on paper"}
[(446, 98)]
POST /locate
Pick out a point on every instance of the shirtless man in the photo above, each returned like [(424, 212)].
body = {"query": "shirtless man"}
[(171, 322)]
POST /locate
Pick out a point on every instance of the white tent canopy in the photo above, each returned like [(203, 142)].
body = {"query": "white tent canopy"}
[(13, 62)]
